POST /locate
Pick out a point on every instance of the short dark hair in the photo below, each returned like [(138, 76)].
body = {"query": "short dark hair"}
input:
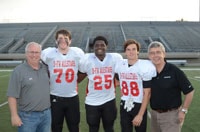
[(64, 32), (100, 38), (131, 41)]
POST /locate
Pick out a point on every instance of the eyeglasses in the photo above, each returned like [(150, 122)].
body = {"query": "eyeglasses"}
[(33, 52), (155, 52)]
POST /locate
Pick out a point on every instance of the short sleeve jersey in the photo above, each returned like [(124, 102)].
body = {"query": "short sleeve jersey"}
[(167, 87), (63, 70), (131, 78), (30, 87), (100, 75)]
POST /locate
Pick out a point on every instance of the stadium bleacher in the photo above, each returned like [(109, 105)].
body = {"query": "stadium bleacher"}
[(176, 36)]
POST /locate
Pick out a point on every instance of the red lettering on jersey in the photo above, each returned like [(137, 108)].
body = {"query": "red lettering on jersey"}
[(68, 63), (64, 63), (56, 63), (132, 76), (101, 70), (95, 70), (106, 70)]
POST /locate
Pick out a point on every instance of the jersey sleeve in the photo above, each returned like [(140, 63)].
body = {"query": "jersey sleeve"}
[(79, 51), (45, 53), (83, 63), (118, 60), (117, 56), (118, 65), (147, 70)]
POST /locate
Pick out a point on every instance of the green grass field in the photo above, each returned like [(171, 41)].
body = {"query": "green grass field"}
[(191, 124)]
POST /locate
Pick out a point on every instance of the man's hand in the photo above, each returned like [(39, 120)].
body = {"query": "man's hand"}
[(16, 121)]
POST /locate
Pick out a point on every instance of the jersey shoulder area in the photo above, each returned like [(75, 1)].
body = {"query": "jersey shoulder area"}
[(49, 50), (143, 62), (146, 68), (145, 65), (88, 57), (85, 58), (76, 49), (116, 55)]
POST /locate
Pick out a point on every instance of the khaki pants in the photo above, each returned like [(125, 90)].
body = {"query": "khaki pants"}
[(165, 122)]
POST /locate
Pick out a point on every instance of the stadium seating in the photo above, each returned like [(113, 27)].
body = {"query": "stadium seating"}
[(176, 36)]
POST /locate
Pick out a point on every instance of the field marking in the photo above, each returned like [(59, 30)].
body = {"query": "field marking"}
[(4, 104), (1, 105), (6, 70), (4, 75), (149, 114), (190, 69), (196, 79)]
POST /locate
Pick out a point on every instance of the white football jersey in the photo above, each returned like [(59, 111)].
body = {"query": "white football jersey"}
[(63, 70), (131, 78), (100, 76)]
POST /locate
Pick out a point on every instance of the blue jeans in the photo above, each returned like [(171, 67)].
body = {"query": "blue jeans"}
[(35, 121)]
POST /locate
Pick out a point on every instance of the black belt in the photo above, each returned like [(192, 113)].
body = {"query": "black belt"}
[(123, 102), (163, 111), (58, 98)]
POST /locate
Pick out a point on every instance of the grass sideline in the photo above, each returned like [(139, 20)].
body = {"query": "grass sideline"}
[(191, 123)]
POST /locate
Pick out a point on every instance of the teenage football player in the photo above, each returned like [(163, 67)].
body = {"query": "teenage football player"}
[(134, 75), (62, 62), (100, 100)]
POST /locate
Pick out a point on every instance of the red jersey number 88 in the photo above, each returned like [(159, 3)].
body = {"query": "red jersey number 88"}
[(133, 88)]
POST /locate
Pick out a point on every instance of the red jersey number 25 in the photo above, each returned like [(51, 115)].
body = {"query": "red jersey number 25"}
[(100, 82)]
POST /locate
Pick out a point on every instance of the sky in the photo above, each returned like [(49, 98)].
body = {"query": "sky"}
[(22, 11)]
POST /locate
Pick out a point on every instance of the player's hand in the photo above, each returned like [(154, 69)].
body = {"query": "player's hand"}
[(137, 120), (16, 121)]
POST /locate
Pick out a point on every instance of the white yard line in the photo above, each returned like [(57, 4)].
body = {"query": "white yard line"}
[(1, 105), (196, 79), (149, 114), (4, 104), (190, 69), (8, 70), (3, 75), (5, 71)]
